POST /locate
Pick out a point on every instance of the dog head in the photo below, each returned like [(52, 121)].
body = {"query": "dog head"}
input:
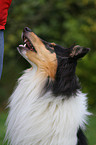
[(46, 56), (56, 62)]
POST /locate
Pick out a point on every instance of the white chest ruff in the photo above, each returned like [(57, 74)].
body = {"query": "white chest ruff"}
[(43, 120)]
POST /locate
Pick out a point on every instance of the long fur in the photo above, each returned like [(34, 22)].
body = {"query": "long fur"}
[(47, 106), (36, 118)]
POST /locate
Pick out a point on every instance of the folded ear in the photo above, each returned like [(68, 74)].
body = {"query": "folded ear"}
[(78, 51)]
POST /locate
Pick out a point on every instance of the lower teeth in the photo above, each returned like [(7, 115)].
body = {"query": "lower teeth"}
[(24, 45)]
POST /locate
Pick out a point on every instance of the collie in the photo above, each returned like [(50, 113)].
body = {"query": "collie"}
[(47, 107)]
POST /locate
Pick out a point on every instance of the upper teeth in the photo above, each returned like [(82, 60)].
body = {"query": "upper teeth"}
[(25, 40)]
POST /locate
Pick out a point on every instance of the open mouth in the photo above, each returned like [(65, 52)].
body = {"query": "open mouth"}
[(27, 45)]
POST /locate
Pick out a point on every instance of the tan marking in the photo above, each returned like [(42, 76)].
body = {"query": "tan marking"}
[(53, 44), (44, 59)]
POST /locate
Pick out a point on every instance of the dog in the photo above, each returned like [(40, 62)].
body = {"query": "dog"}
[(47, 107)]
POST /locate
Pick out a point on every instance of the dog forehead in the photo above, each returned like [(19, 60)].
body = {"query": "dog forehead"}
[(62, 51)]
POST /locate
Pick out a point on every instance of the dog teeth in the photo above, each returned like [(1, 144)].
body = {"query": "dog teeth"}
[(20, 45), (24, 45), (25, 40)]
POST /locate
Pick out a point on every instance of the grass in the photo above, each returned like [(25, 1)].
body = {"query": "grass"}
[(90, 133)]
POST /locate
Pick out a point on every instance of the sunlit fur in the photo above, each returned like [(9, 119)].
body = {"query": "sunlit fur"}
[(38, 114)]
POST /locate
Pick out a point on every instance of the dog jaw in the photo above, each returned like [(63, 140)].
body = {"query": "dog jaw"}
[(44, 59)]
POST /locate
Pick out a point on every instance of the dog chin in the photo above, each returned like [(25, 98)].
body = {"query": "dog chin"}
[(23, 53)]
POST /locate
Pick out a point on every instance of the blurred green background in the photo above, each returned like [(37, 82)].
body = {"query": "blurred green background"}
[(61, 21)]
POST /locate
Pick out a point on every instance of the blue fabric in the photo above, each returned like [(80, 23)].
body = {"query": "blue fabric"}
[(1, 50)]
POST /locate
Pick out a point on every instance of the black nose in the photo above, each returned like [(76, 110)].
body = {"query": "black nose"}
[(26, 29)]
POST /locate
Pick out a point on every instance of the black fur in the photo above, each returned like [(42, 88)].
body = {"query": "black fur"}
[(66, 82), (81, 138)]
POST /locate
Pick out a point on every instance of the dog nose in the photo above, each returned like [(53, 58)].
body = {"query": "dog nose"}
[(26, 29)]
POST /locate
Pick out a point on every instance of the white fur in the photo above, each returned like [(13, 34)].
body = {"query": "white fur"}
[(37, 119)]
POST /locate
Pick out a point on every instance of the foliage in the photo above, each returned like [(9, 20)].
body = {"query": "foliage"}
[(3, 117), (64, 22)]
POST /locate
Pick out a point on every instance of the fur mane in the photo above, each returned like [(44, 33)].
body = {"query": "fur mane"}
[(36, 118)]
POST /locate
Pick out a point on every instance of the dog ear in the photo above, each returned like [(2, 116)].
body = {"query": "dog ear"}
[(78, 51)]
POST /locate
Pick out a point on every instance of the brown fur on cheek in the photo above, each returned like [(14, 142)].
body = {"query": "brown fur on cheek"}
[(47, 64)]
